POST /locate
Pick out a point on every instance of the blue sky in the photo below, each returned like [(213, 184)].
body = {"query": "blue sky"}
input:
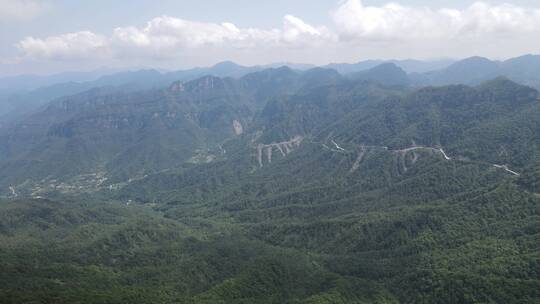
[(48, 36)]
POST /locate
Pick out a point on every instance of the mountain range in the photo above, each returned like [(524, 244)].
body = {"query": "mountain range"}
[(21, 95), (380, 183)]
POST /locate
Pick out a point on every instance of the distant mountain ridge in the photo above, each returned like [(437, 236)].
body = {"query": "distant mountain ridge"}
[(385, 73), (471, 71), (15, 104), (410, 66), (125, 133), (475, 70), (279, 186)]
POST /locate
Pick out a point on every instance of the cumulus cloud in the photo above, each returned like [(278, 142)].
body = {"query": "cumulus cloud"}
[(79, 45), (296, 31), (166, 37), (393, 21), (20, 9), (389, 30)]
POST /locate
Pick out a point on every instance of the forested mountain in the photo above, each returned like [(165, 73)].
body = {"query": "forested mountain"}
[(110, 135), (489, 125), (278, 186), (469, 71), (410, 66), (22, 95), (96, 130), (475, 70), (386, 73)]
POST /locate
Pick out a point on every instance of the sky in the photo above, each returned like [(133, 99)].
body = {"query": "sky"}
[(51, 36)]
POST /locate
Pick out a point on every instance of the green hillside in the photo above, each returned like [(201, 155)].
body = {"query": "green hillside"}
[(334, 191)]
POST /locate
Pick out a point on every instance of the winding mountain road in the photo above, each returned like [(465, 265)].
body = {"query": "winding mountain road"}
[(361, 155), (505, 167)]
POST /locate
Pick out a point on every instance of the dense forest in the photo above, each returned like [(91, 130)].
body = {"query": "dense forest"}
[(276, 187)]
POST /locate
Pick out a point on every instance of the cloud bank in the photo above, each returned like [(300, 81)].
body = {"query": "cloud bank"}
[(69, 46), (396, 22), (376, 31), (166, 37)]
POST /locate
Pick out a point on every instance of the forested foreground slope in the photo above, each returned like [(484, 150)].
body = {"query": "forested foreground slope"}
[(477, 247), (345, 192)]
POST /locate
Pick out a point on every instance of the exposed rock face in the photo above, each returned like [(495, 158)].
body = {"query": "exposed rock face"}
[(238, 128), (284, 148)]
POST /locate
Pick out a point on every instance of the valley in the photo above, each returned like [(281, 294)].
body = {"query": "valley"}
[(277, 186), (270, 152)]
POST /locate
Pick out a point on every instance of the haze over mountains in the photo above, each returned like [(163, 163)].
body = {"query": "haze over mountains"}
[(376, 182), (187, 152), (22, 94)]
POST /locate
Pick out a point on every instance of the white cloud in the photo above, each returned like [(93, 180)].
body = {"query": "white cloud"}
[(167, 37), (358, 31), (79, 45), (393, 21), (296, 31), (20, 9)]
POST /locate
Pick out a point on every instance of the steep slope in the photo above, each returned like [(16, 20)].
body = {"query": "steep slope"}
[(24, 101), (342, 193), (523, 69), (114, 254), (375, 196), (22, 98), (108, 136), (494, 122), (491, 126), (368, 139), (123, 135)]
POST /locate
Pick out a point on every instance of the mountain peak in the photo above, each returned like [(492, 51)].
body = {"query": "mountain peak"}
[(283, 68), (387, 66), (472, 63), (226, 64), (475, 59), (500, 82), (386, 73), (505, 90)]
